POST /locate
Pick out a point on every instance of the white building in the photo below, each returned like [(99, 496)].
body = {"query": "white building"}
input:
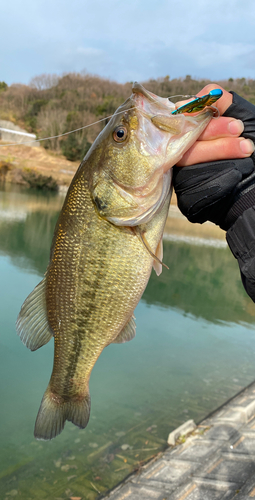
[(11, 133)]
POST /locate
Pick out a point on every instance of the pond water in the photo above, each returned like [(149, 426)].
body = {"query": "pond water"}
[(193, 350)]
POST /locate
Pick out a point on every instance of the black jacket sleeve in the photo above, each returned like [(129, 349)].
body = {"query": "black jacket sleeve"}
[(241, 240), (241, 235), (223, 192)]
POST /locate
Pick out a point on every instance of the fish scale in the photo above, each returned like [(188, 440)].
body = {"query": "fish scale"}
[(98, 314), (107, 238)]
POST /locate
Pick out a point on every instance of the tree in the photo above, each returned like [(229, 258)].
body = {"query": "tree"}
[(3, 86)]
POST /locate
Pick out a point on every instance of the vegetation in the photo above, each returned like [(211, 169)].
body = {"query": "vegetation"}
[(3, 86), (201, 282), (52, 105), (4, 168), (38, 181)]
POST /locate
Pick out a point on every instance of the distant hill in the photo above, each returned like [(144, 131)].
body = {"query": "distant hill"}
[(52, 105)]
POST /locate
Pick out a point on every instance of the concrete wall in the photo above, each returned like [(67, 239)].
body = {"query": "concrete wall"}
[(13, 134)]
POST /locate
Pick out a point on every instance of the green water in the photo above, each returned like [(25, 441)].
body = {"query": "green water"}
[(193, 350)]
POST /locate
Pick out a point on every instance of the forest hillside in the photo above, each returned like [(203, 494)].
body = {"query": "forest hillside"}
[(52, 105)]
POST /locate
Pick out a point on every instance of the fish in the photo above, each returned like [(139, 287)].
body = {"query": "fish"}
[(107, 239)]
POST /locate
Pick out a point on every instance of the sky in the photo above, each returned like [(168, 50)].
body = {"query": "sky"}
[(127, 40)]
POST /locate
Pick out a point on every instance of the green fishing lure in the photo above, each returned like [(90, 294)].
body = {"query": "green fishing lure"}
[(199, 103)]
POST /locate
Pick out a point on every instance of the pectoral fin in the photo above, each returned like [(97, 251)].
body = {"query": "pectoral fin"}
[(157, 266), (157, 255), (128, 332), (32, 323)]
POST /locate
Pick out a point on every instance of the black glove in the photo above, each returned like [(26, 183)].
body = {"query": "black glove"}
[(220, 191)]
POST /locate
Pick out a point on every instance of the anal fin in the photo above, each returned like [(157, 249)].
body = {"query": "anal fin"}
[(127, 333), (32, 323)]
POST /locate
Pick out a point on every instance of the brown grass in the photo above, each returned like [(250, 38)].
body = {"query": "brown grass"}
[(40, 160)]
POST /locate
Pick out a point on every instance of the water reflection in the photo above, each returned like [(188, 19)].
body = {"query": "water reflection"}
[(27, 221), (190, 354), (202, 281)]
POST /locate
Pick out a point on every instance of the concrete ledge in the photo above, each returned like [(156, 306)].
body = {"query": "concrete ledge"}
[(217, 462), (183, 430), (248, 411)]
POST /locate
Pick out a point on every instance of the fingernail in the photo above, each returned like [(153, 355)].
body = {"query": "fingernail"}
[(247, 146), (236, 127)]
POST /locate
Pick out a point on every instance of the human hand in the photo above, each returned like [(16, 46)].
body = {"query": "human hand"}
[(218, 183), (221, 139)]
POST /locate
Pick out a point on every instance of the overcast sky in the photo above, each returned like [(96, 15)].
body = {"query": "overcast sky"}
[(127, 40)]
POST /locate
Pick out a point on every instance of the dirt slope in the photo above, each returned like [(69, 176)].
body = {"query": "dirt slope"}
[(40, 160)]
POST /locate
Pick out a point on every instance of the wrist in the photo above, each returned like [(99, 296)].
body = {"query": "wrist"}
[(243, 198), (245, 111)]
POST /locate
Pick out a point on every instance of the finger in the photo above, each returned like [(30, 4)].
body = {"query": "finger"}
[(223, 102), (222, 127), (219, 149)]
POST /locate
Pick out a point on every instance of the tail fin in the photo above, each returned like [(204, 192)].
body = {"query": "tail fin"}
[(53, 413)]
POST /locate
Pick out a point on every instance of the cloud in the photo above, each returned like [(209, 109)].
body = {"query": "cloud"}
[(127, 41), (90, 51), (249, 59)]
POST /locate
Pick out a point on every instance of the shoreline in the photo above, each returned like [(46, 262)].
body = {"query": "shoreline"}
[(213, 459), (19, 159)]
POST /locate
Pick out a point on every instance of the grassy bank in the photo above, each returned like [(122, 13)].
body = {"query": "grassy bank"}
[(33, 166)]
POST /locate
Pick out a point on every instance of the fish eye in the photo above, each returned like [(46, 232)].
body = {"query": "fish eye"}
[(120, 134)]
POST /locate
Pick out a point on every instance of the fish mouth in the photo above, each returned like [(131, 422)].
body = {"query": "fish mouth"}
[(159, 127), (137, 88), (139, 92), (149, 103), (160, 133), (152, 106)]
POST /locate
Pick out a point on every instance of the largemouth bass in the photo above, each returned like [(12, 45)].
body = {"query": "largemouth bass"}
[(107, 238)]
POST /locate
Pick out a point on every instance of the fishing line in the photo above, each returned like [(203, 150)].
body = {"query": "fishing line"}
[(82, 128), (180, 95), (66, 133), (60, 135)]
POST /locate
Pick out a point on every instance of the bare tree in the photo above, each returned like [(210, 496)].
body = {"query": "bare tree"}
[(51, 122), (44, 81)]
